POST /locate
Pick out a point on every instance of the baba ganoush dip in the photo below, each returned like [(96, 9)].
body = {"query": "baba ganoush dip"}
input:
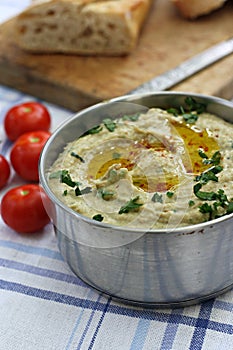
[(158, 169)]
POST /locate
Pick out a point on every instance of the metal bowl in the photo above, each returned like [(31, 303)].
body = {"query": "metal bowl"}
[(152, 268)]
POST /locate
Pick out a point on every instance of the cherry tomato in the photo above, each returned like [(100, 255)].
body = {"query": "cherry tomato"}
[(4, 171), (22, 208), (25, 154), (25, 117)]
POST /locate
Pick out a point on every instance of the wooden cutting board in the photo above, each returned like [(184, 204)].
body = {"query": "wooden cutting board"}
[(166, 40)]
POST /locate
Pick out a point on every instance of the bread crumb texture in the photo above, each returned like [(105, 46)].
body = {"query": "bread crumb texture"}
[(86, 27)]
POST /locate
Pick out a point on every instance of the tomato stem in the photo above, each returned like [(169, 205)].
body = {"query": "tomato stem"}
[(24, 192), (34, 139), (27, 109)]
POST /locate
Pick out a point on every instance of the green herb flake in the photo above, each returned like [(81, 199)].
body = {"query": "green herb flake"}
[(215, 160), (95, 130), (206, 208), (191, 203), (190, 112), (206, 177), (73, 154), (66, 179), (230, 208), (79, 192), (206, 196), (193, 105), (157, 198), (98, 217), (131, 205), (65, 193), (170, 194), (190, 118), (109, 124), (202, 154), (182, 110), (219, 199), (132, 117), (173, 111), (106, 194), (222, 197), (210, 175)]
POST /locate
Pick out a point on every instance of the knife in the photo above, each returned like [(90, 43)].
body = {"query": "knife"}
[(187, 68)]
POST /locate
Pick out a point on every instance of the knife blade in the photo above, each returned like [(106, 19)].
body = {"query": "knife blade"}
[(187, 68)]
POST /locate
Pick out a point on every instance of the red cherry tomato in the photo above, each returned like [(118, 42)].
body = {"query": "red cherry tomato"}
[(22, 208), (4, 171), (25, 117), (25, 154)]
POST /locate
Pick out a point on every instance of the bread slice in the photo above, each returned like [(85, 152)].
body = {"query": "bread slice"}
[(195, 8), (86, 27)]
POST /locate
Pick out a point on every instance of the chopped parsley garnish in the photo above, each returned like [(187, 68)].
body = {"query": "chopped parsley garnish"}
[(206, 196), (79, 192), (193, 105), (206, 208), (170, 194), (131, 205), (132, 118), (98, 217), (109, 124), (191, 112), (157, 198), (95, 130), (66, 179), (230, 207), (190, 118), (215, 160), (219, 199), (209, 175), (202, 154), (106, 194), (191, 203), (73, 154), (173, 111)]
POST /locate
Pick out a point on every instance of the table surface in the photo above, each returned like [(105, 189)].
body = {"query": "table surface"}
[(44, 306)]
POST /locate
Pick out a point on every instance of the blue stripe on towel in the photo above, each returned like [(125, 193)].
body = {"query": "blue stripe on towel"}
[(49, 253), (202, 323), (170, 332), (99, 325), (140, 335), (60, 276)]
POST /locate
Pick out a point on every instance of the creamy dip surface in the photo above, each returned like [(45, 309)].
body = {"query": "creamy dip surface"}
[(155, 170)]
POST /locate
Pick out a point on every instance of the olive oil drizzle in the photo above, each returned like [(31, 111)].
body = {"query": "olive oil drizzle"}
[(194, 140)]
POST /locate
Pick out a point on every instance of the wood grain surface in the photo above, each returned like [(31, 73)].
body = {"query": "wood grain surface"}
[(166, 40)]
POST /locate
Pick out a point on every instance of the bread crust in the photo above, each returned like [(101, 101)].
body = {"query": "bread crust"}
[(195, 8), (86, 27)]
